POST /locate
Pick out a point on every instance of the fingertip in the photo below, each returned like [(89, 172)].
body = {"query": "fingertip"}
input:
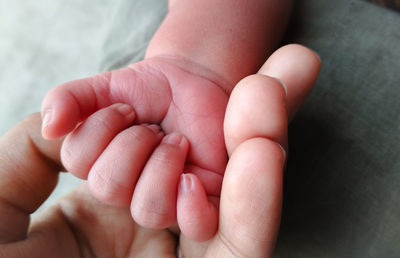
[(186, 184), (196, 215), (54, 126), (282, 84), (252, 189), (46, 122), (177, 139), (256, 108), (58, 117), (71, 102), (297, 67), (126, 110), (290, 60), (300, 50)]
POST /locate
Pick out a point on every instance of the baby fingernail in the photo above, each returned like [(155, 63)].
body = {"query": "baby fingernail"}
[(173, 138), (125, 110), (155, 128), (186, 183), (47, 116)]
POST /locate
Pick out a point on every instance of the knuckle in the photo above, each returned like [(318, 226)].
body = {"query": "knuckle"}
[(32, 118), (165, 154), (102, 188), (101, 121), (73, 159), (151, 215), (229, 245), (136, 134)]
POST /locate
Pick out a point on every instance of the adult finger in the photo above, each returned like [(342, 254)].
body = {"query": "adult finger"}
[(252, 188), (256, 108), (250, 201), (259, 99), (28, 174), (297, 67)]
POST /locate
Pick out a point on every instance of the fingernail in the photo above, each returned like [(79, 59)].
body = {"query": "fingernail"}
[(125, 110), (173, 138), (155, 128), (319, 57), (186, 183), (283, 150), (47, 116), (282, 83)]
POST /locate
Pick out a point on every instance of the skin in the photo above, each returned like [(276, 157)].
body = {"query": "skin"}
[(183, 85), (79, 225)]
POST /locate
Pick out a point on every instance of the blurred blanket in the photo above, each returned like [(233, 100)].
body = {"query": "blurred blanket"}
[(394, 4)]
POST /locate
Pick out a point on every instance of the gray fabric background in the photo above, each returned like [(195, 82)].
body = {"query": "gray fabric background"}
[(342, 187), (342, 182)]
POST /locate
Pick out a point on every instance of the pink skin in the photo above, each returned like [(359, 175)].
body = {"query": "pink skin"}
[(111, 154), (249, 212), (136, 164), (183, 85)]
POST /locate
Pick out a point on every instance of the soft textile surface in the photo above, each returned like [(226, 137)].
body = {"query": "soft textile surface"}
[(43, 43), (394, 4), (342, 187)]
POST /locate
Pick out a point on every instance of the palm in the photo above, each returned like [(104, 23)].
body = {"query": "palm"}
[(185, 103), (161, 92), (104, 231)]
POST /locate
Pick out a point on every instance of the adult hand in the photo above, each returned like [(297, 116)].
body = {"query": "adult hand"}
[(79, 226)]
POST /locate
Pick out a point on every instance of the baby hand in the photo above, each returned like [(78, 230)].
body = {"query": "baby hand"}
[(132, 133)]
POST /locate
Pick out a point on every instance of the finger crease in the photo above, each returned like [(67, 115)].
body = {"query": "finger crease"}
[(227, 243)]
